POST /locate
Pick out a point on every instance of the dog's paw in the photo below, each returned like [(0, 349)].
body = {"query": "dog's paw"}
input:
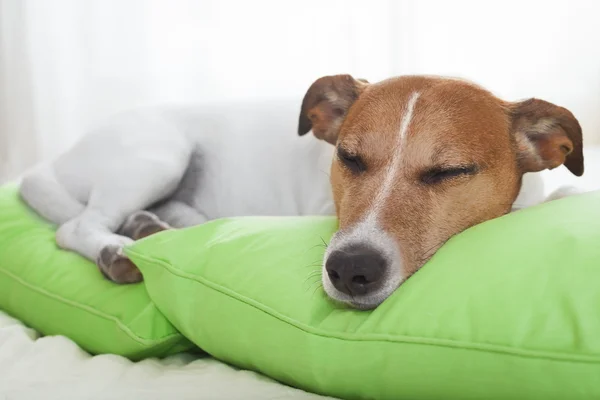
[(141, 224), (116, 267)]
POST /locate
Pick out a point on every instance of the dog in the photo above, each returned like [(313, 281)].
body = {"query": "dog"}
[(418, 160), (412, 161), (157, 168)]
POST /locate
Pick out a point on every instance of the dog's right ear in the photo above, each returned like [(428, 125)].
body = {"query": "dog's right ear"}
[(547, 136), (326, 104)]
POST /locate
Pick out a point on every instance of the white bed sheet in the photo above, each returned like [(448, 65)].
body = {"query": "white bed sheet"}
[(55, 368)]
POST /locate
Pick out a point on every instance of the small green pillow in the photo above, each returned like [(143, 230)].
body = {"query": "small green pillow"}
[(59, 292), (509, 309)]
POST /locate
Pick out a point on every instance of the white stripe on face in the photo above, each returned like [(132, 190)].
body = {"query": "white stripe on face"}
[(368, 232), (394, 165)]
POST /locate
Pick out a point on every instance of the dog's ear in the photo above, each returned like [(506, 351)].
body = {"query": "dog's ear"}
[(547, 136), (326, 104)]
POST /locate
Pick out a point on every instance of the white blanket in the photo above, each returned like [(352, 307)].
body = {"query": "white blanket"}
[(55, 368)]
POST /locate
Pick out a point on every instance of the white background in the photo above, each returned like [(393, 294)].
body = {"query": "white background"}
[(67, 64)]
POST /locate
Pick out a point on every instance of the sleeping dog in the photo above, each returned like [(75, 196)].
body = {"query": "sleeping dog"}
[(405, 163)]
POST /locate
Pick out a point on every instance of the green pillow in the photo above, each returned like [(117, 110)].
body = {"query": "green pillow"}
[(59, 292), (509, 309)]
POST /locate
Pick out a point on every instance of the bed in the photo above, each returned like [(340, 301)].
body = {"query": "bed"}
[(34, 367), (54, 367)]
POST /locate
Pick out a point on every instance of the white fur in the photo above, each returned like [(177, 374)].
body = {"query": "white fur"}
[(562, 192), (394, 164), (239, 160), (366, 232)]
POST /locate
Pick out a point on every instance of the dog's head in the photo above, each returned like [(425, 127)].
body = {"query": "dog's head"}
[(418, 160)]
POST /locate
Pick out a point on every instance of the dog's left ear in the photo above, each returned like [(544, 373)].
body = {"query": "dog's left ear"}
[(547, 136), (326, 104)]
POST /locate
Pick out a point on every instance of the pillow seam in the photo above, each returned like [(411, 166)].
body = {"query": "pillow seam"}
[(120, 324), (450, 343)]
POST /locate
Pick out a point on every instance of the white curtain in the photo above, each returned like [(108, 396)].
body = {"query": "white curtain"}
[(67, 64)]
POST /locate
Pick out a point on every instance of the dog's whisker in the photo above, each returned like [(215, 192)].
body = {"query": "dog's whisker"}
[(315, 272), (311, 285), (324, 245), (315, 275), (314, 285), (316, 290), (427, 255), (315, 263), (325, 172), (311, 281), (324, 242)]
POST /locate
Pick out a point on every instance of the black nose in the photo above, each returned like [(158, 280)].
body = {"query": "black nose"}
[(355, 270)]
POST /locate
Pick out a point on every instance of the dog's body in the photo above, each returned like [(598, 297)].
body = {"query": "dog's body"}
[(171, 167), (186, 166)]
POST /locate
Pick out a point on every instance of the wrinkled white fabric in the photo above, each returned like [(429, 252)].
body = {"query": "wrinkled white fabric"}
[(55, 368)]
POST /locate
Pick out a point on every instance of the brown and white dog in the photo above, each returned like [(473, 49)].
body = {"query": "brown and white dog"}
[(415, 160), (418, 160)]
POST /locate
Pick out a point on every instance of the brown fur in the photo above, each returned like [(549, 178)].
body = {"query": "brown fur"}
[(454, 123)]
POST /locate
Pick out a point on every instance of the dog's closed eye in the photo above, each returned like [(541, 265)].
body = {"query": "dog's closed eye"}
[(351, 161), (437, 175)]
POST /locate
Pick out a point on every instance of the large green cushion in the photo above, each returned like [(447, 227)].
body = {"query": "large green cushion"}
[(509, 309), (59, 292)]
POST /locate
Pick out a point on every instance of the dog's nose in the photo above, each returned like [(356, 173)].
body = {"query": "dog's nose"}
[(355, 270)]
